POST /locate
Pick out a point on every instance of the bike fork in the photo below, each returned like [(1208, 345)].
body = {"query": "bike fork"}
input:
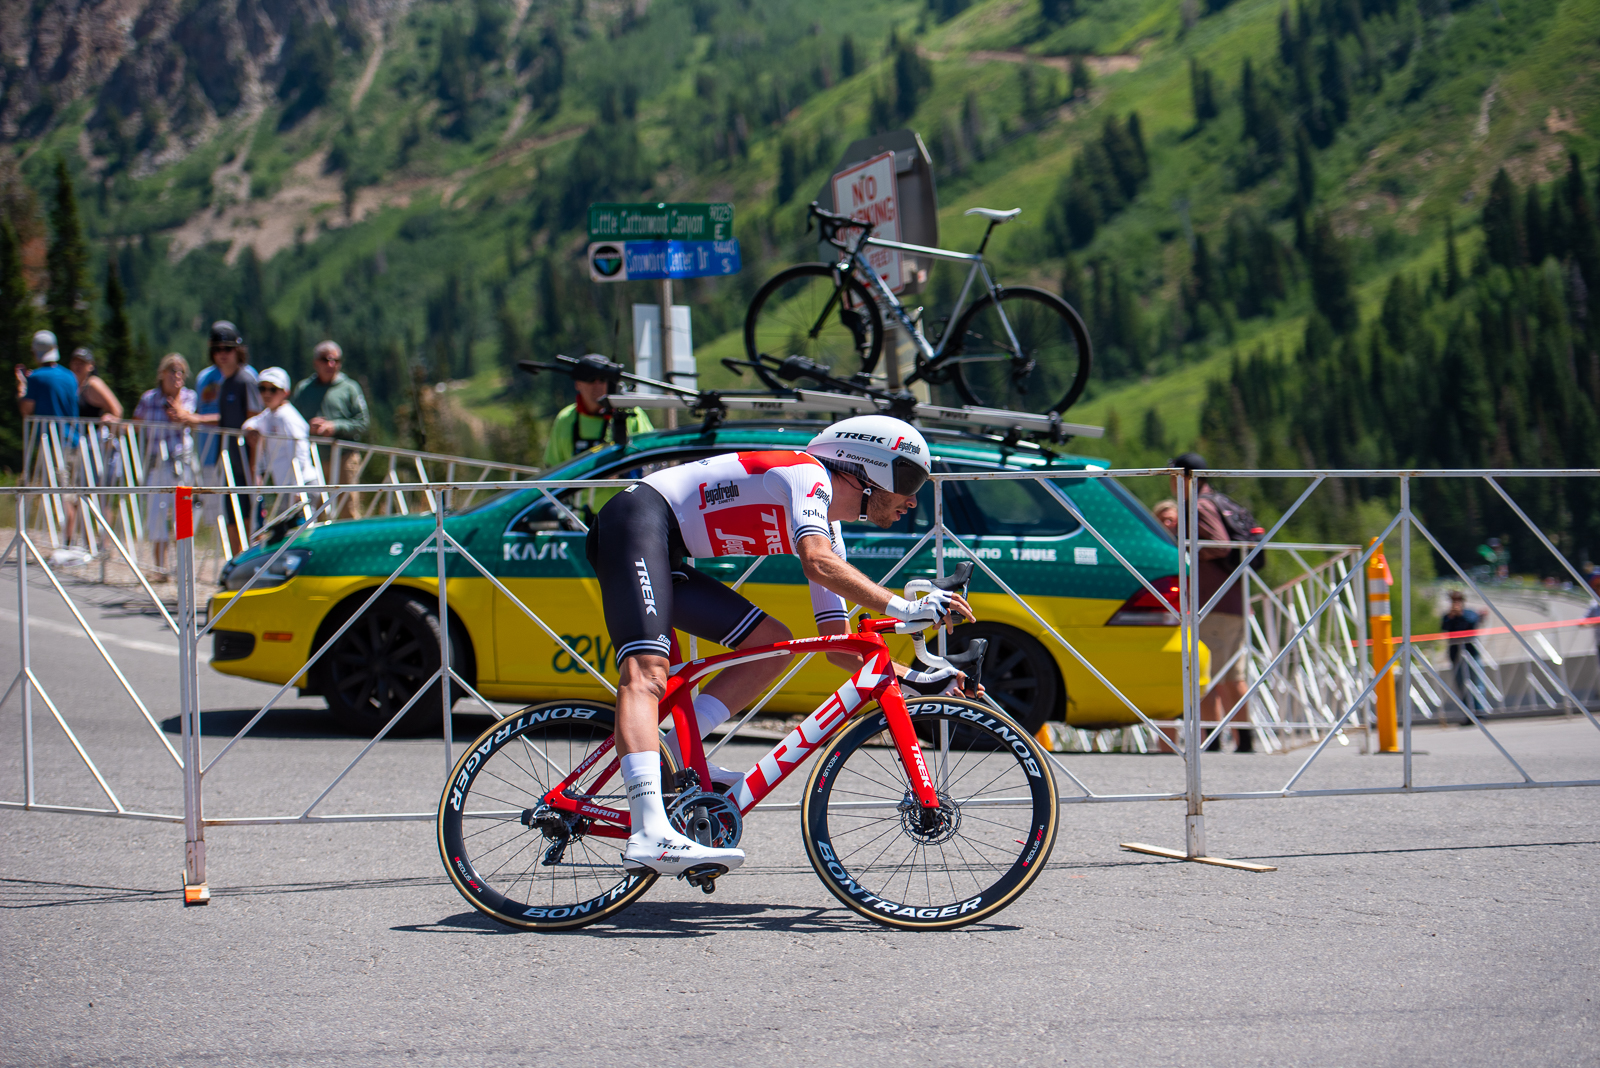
[(906, 744)]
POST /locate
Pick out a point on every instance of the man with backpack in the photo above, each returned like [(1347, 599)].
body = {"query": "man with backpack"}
[(1222, 631)]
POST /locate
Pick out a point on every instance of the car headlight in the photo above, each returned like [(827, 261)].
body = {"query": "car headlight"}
[(235, 573)]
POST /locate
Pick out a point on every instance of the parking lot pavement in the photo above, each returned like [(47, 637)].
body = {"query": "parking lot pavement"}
[(1439, 929)]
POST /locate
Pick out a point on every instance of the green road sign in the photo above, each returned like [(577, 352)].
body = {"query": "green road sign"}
[(660, 222)]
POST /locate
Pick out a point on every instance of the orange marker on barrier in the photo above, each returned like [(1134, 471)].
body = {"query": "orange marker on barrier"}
[(183, 510), (1380, 626)]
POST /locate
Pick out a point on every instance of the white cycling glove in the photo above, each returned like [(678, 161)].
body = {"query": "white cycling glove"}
[(929, 610)]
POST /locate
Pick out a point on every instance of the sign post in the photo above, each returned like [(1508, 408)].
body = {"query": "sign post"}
[(660, 242)]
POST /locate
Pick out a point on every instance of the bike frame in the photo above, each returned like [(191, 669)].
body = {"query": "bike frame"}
[(928, 356), (874, 680)]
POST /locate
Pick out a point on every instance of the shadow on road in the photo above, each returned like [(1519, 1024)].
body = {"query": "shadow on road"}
[(43, 894), (1422, 849), (308, 723), (690, 919)]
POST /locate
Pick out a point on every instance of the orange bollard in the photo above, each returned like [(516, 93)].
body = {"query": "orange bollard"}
[(1380, 626)]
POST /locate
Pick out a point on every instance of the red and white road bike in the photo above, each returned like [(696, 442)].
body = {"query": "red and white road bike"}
[(926, 813)]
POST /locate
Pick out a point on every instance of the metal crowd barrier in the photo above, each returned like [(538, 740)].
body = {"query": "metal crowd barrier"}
[(1310, 674), (77, 456)]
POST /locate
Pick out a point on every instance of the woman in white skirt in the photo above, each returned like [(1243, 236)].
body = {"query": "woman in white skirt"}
[(168, 450)]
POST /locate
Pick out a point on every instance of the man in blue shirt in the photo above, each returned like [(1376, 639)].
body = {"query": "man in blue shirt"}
[(52, 390)]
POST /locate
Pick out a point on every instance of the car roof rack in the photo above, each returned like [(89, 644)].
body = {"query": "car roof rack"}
[(854, 396)]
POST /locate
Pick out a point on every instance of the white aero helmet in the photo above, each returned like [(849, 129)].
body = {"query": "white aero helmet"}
[(890, 452)]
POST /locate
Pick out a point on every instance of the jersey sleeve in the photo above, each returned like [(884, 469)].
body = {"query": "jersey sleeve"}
[(826, 605), (807, 488)]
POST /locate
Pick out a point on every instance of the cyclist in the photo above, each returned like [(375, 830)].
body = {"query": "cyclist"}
[(867, 468)]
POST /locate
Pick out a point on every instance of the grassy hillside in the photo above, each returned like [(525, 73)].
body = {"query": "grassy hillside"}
[(416, 188)]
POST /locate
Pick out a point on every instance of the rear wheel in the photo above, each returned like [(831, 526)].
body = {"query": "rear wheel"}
[(876, 849), (520, 861), (811, 310), (1040, 365), (388, 654)]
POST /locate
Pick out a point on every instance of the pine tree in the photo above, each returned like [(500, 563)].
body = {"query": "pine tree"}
[(1305, 170), (1288, 44), (70, 296), (1452, 263), (16, 304), (1533, 227), (1202, 94), (1502, 237), (1153, 434), (116, 344), (1079, 77), (16, 325), (1205, 286), (1329, 264), (1335, 82), (847, 56)]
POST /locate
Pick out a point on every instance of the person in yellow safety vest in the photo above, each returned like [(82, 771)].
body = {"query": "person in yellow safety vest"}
[(587, 423)]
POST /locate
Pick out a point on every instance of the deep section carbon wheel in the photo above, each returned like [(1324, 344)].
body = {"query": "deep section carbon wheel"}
[(811, 310), (881, 854), (519, 860), (1041, 364)]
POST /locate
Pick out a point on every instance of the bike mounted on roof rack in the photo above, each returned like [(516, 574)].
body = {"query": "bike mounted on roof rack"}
[(834, 396)]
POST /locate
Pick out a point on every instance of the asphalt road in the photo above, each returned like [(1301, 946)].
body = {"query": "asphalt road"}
[(1455, 928)]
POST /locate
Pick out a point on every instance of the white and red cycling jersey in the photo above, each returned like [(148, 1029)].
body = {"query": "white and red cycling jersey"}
[(754, 504)]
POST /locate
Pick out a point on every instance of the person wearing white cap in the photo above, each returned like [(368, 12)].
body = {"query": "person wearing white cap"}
[(52, 390), (279, 437)]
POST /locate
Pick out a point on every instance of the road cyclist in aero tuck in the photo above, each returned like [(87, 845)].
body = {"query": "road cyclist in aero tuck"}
[(866, 468)]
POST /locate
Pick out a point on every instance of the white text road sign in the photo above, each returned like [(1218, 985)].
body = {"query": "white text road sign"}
[(867, 191), (667, 222), (635, 261)]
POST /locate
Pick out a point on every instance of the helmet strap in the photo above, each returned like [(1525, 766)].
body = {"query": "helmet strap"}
[(866, 494)]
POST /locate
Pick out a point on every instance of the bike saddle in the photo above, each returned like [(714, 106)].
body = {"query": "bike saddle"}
[(994, 215)]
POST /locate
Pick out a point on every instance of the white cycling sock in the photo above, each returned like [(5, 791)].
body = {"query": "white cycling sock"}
[(709, 712), (641, 774)]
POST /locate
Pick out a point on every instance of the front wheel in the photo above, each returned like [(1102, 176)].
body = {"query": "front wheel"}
[(524, 863), (1041, 364), (812, 310), (876, 849)]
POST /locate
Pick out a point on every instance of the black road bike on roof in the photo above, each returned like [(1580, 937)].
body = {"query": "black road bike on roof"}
[(1015, 348)]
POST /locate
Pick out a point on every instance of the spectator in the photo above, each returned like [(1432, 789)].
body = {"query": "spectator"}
[(227, 397), (1166, 513), (95, 399), (334, 407), (586, 423), (1466, 659), (168, 453), (97, 402), (1222, 630), (52, 390), (280, 438)]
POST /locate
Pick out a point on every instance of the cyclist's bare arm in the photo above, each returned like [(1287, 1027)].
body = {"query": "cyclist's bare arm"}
[(824, 567)]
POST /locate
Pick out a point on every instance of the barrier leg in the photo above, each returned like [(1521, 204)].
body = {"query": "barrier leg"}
[(25, 668), (439, 545), (196, 891), (1189, 628)]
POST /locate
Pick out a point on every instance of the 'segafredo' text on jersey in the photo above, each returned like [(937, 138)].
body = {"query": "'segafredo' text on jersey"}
[(753, 504)]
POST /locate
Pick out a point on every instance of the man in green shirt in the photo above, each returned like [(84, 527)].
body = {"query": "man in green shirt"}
[(332, 402), (587, 423)]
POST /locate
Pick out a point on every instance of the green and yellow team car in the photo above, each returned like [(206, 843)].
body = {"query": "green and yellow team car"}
[(1019, 528)]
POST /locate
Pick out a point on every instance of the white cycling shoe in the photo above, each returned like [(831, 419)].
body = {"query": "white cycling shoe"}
[(673, 854)]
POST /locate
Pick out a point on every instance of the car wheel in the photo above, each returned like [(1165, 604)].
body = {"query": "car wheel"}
[(1018, 672), (381, 661)]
